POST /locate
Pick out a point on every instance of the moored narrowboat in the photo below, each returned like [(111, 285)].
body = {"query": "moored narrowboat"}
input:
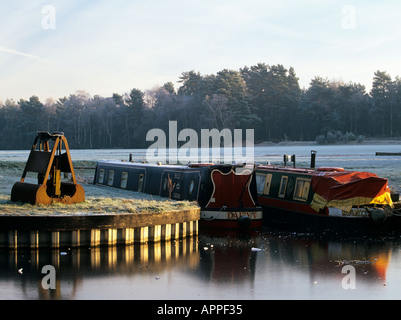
[(226, 193), (326, 199)]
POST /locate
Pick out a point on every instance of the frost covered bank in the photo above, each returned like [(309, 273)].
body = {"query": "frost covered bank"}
[(98, 199)]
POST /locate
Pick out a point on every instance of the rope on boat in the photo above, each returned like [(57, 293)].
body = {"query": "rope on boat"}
[(219, 212), (396, 212)]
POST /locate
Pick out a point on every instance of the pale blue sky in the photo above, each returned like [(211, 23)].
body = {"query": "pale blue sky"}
[(104, 47)]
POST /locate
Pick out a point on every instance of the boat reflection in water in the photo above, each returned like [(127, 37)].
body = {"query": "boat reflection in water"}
[(294, 266), (210, 266), (324, 259), (228, 258)]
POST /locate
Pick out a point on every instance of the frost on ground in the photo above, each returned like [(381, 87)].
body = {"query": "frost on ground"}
[(105, 200), (98, 199)]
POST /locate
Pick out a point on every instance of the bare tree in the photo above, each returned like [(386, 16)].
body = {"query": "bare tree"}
[(217, 105)]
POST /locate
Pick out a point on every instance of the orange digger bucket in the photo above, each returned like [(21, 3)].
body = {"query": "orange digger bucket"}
[(48, 165)]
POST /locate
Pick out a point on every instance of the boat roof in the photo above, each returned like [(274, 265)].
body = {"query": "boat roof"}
[(287, 169), (191, 166), (136, 164)]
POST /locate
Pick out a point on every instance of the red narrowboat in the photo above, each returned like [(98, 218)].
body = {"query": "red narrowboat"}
[(326, 199)]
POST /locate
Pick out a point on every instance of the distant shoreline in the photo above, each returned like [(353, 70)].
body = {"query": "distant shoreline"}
[(314, 143)]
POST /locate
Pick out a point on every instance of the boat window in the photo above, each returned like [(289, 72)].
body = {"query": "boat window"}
[(283, 186), (191, 186), (301, 189), (140, 182), (101, 176), (124, 180), (267, 184), (263, 183), (260, 182), (111, 178)]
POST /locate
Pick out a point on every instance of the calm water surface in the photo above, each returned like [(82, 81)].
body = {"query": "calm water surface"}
[(253, 267), (267, 265)]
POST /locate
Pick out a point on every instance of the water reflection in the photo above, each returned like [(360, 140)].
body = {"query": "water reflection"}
[(320, 257), (228, 258), (258, 266), (75, 266)]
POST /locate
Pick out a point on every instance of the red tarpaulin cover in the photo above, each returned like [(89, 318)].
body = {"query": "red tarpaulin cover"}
[(348, 184)]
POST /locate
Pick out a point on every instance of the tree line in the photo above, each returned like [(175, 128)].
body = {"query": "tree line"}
[(266, 98)]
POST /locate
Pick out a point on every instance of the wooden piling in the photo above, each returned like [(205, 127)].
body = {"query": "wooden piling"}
[(108, 230)]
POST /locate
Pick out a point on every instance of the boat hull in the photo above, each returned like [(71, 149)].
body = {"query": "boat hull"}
[(279, 219), (232, 219)]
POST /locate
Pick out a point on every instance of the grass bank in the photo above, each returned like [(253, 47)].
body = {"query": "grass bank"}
[(99, 199)]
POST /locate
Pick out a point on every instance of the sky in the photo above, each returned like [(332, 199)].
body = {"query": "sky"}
[(51, 49)]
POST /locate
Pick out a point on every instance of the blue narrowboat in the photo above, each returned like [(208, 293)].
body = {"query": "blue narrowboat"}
[(226, 194)]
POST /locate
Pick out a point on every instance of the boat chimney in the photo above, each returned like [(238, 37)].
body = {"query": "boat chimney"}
[(289, 158), (313, 158), (293, 160)]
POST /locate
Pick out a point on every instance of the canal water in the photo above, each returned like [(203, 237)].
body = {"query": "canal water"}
[(211, 267), (266, 265)]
